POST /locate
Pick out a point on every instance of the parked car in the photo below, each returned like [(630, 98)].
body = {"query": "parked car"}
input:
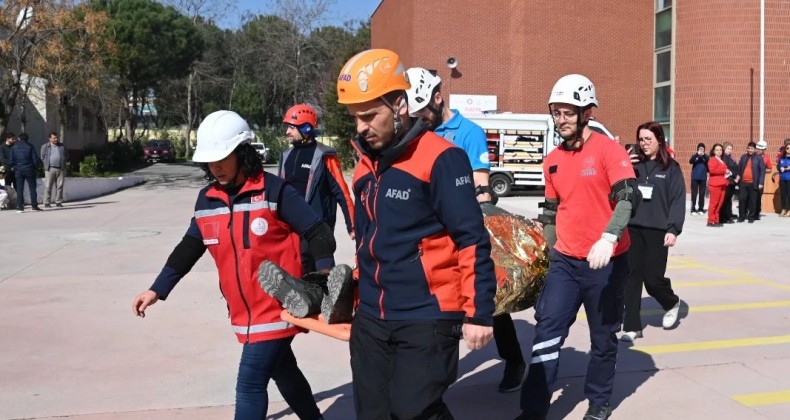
[(156, 150), (262, 150)]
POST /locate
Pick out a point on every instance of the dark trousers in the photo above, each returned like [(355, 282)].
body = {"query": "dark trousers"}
[(272, 360), (647, 258), (401, 369), (747, 201), (21, 179), (698, 188), (507, 344), (570, 283), (725, 214), (784, 190), (10, 178)]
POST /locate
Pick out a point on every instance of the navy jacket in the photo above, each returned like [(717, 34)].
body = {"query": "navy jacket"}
[(699, 167), (24, 158), (758, 169), (422, 249), (666, 209)]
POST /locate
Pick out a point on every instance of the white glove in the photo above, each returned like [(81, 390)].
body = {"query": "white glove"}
[(600, 253)]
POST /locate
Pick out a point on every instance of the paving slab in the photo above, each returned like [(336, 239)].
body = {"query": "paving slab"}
[(70, 347)]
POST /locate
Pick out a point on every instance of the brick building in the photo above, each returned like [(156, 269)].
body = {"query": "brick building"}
[(693, 65)]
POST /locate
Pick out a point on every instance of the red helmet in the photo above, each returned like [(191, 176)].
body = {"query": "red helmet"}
[(301, 114)]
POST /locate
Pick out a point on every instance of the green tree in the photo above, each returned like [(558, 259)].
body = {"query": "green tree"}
[(155, 43), (336, 121)]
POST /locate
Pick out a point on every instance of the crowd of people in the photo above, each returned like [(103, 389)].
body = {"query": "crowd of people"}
[(424, 280), (19, 164)]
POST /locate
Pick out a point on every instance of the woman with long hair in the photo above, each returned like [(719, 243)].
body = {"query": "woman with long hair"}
[(784, 180), (717, 183), (654, 228)]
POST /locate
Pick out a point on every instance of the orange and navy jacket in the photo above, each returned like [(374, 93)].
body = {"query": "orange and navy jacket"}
[(326, 186), (422, 249), (263, 221)]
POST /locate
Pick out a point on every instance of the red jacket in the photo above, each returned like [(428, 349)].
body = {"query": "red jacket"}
[(240, 237), (717, 168)]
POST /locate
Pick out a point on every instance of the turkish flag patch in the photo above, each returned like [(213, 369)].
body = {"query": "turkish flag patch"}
[(257, 198)]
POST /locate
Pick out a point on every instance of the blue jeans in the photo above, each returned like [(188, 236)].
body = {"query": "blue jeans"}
[(272, 360), (570, 283)]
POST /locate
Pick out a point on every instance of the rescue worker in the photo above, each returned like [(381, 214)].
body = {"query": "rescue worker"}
[(591, 193), (243, 217), (425, 273), (426, 102), (314, 170)]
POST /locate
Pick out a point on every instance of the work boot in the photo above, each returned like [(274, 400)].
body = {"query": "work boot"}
[(598, 412), (338, 304), (300, 298)]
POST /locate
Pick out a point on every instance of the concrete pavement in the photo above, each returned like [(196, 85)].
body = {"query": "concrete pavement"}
[(70, 347)]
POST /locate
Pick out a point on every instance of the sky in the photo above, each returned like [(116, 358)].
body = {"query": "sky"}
[(340, 11)]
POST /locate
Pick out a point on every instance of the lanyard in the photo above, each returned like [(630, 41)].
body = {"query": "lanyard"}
[(647, 176)]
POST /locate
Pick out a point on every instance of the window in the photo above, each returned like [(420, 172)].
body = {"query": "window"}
[(87, 119), (663, 4), (664, 28), (663, 66), (661, 108)]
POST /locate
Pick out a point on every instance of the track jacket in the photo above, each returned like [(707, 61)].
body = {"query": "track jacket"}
[(422, 249), (263, 222), (326, 186)]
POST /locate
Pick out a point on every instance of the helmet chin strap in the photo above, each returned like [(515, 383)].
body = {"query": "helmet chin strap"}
[(397, 123)]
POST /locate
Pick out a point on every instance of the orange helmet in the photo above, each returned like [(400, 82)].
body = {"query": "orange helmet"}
[(370, 75), (301, 114)]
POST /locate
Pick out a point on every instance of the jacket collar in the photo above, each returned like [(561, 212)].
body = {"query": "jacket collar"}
[(385, 158), (252, 184)]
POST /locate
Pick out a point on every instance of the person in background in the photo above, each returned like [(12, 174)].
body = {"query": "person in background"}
[(717, 183), (783, 167), (653, 229), (761, 147), (426, 102), (5, 159), (55, 159), (25, 161), (782, 150), (751, 169), (699, 177), (314, 170), (725, 214)]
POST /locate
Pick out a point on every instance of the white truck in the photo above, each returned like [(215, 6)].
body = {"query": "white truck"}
[(517, 144)]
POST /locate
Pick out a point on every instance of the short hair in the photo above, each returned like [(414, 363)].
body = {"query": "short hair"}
[(9, 135), (23, 137), (702, 145), (751, 144), (725, 145), (53, 133)]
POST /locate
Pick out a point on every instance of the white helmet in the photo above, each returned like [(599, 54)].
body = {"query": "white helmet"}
[(422, 85), (573, 89), (762, 145), (219, 134)]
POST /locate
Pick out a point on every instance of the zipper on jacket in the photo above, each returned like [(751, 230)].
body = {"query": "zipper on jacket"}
[(419, 254), (372, 239), (238, 278)]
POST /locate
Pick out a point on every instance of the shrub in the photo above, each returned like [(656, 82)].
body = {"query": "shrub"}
[(89, 166)]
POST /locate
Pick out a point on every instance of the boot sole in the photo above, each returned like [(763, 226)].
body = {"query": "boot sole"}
[(272, 280), (339, 285)]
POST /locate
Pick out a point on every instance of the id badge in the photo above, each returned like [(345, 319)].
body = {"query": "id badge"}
[(646, 190)]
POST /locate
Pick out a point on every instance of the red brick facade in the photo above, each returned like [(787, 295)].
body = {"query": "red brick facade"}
[(518, 49)]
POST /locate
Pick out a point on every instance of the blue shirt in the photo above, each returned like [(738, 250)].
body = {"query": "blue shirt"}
[(468, 136)]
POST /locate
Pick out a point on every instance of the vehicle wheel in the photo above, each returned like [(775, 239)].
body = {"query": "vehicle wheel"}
[(501, 184)]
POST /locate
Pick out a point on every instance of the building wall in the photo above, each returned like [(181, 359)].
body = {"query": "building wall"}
[(717, 75), (517, 50)]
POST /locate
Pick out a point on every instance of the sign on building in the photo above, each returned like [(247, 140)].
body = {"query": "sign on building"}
[(473, 105)]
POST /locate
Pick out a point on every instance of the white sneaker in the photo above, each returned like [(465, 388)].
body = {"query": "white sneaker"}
[(631, 336), (693, 213), (671, 316)]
